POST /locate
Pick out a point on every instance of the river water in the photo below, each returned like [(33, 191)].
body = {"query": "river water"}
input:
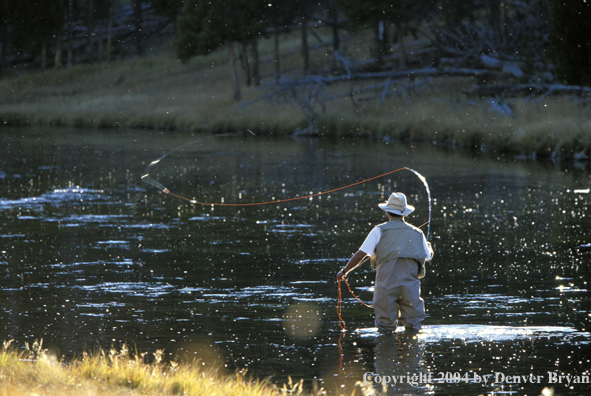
[(92, 256)]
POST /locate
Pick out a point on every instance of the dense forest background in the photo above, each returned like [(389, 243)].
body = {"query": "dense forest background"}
[(501, 75), (535, 40)]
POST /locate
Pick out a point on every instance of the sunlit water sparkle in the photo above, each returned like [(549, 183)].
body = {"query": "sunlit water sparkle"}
[(91, 256)]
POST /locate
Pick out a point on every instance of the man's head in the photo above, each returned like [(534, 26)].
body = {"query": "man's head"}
[(396, 205)]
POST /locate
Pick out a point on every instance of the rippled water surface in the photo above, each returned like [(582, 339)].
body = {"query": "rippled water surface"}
[(92, 256)]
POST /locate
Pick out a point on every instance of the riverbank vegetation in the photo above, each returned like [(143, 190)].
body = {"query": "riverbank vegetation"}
[(35, 371), (448, 76), (161, 93)]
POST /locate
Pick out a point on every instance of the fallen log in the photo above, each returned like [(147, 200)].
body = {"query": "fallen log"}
[(392, 75), (529, 90)]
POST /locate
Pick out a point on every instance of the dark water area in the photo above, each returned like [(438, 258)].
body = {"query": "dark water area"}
[(92, 256)]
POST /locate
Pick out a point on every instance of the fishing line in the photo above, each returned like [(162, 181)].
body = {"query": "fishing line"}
[(422, 178), (146, 178)]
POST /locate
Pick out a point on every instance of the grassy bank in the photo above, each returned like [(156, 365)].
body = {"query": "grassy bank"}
[(158, 92), (34, 371)]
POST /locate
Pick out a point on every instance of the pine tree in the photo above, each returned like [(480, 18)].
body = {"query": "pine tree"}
[(35, 23), (168, 8), (570, 41), (204, 26), (380, 13), (279, 15), (4, 22)]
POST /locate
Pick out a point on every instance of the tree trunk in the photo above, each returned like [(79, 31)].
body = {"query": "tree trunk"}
[(305, 46), (378, 42), (334, 24), (89, 49), (245, 62), (44, 54), (138, 36), (70, 33), (276, 53), (502, 23), (256, 77), (497, 18), (233, 72), (99, 36), (333, 16), (58, 50), (401, 34), (493, 10), (548, 6), (3, 57), (109, 33)]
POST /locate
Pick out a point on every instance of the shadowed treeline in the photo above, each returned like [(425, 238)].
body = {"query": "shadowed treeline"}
[(482, 78)]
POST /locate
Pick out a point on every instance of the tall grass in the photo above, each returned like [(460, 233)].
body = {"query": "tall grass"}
[(159, 92), (35, 371)]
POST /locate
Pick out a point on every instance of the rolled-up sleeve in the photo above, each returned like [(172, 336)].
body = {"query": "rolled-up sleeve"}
[(428, 250), (369, 245)]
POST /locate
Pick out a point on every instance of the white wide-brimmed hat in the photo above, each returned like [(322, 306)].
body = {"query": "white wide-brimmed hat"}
[(397, 205)]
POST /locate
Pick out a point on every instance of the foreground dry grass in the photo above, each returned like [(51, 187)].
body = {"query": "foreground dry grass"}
[(161, 93), (36, 372)]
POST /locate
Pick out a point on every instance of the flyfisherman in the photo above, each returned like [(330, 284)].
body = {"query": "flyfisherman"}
[(398, 253)]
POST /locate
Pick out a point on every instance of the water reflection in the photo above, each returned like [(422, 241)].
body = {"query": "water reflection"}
[(399, 365), (90, 256)]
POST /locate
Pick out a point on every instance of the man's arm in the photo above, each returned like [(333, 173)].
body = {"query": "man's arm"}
[(353, 262)]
